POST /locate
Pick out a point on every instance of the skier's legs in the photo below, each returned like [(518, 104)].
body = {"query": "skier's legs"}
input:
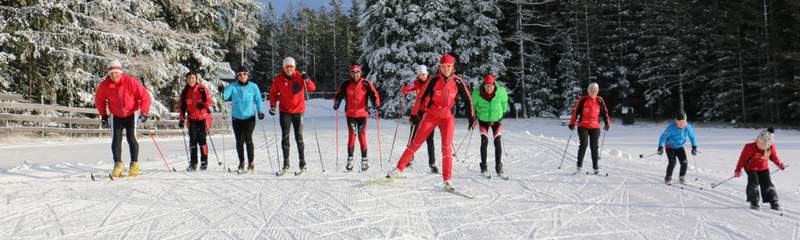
[(297, 123), (193, 140), (446, 128), (238, 133), (768, 193), (484, 129), (425, 128), (681, 154), (497, 129), (250, 126), (362, 135), (752, 186), (285, 122), (583, 135), (431, 149), (129, 124), (670, 162), (594, 136), (116, 139), (201, 132), (351, 136)]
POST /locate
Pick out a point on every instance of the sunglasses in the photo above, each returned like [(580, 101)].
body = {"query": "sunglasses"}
[(242, 74)]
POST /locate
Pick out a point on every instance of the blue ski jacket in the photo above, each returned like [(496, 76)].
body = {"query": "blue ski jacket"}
[(675, 137), (246, 99)]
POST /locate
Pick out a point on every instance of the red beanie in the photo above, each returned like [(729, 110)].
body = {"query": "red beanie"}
[(488, 79), (354, 67), (447, 59)]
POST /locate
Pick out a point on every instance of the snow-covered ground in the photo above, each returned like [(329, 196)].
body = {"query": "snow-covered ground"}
[(46, 193)]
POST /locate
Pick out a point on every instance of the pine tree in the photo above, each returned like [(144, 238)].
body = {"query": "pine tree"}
[(476, 41)]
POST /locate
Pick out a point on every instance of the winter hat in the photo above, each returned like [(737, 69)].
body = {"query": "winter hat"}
[(767, 136), (422, 69), (681, 115), (594, 86), (447, 59), (288, 61), (114, 66), (354, 67), (488, 79)]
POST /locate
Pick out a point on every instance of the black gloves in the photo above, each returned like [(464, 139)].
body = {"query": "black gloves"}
[(471, 123), (303, 75), (694, 150), (143, 118), (260, 116), (571, 127), (606, 127), (336, 106), (414, 119), (660, 150), (104, 122), (180, 124), (272, 111), (371, 110), (221, 88)]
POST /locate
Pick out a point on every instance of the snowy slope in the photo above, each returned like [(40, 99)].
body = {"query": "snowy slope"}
[(51, 196)]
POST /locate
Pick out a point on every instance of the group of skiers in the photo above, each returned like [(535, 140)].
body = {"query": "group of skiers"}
[(435, 100)]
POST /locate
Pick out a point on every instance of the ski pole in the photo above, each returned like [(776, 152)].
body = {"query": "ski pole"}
[(642, 156), (314, 123), (185, 146), (466, 152), (394, 138), (713, 185), (337, 139), (275, 137), (211, 139), (378, 127), (266, 141), (460, 143), (152, 137), (565, 150), (602, 144)]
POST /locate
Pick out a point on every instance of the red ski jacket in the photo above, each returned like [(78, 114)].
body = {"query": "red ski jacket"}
[(355, 94), (190, 97), (589, 110), (753, 159), (123, 98), (439, 96), (418, 86), (289, 90)]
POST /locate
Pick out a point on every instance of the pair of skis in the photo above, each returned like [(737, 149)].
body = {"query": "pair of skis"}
[(387, 179)]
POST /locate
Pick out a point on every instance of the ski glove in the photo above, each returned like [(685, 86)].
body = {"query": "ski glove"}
[(143, 118), (261, 116), (660, 150), (181, 124), (782, 166), (371, 110), (104, 121), (336, 106), (737, 173), (694, 150), (471, 123), (272, 111), (303, 75), (221, 88), (414, 119), (571, 127), (606, 127)]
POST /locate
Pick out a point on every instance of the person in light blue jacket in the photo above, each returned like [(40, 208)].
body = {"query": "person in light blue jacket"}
[(674, 137), (246, 102)]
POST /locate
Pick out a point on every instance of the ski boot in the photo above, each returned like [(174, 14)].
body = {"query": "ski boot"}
[(668, 180), (596, 172), (775, 206), (448, 187), (241, 167), (134, 170), (203, 166), (754, 205), (364, 165), (578, 170), (434, 169), (485, 174), (349, 166), (500, 174), (251, 168), (682, 180), (301, 172), (394, 173), (191, 168), (118, 168), (284, 171)]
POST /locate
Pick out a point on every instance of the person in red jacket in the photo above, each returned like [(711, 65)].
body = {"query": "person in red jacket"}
[(755, 161), (587, 113), (289, 88), (195, 102), (418, 86), (356, 91), (438, 99), (124, 96)]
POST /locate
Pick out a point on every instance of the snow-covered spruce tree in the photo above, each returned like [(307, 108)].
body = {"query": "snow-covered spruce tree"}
[(60, 48), (542, 98), (567, 71), (388, 49), (476, 41)]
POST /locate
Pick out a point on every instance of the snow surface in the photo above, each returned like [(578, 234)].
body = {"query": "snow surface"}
[(46, 193)]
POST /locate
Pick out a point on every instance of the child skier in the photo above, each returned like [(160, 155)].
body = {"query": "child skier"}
[(673, 138), (418, 86), (755, 161)]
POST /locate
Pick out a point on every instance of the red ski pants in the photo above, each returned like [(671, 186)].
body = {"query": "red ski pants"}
[(429, 122)]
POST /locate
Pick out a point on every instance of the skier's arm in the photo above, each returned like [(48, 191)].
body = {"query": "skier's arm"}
[(310, 86), (100, 100), (773, 155), (742, 158), (692, 137), (463, 91), (340, 93), (144, 98), (182, 105), (226, 94), (273, 93), (422, 100), (372, 94), (664, 136), (576, 111), (257, 98), (504, 101), (604, 111)]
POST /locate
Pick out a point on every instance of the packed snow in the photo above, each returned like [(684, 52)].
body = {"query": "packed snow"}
[(46, 191)]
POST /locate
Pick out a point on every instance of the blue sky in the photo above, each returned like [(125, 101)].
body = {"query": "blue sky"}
[(281, 5)]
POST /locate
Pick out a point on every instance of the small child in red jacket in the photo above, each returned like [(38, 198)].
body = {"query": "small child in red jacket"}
[(755, 161)]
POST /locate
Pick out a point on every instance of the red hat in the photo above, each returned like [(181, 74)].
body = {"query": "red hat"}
[(354, 67), (447, 59), (488, 79)]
